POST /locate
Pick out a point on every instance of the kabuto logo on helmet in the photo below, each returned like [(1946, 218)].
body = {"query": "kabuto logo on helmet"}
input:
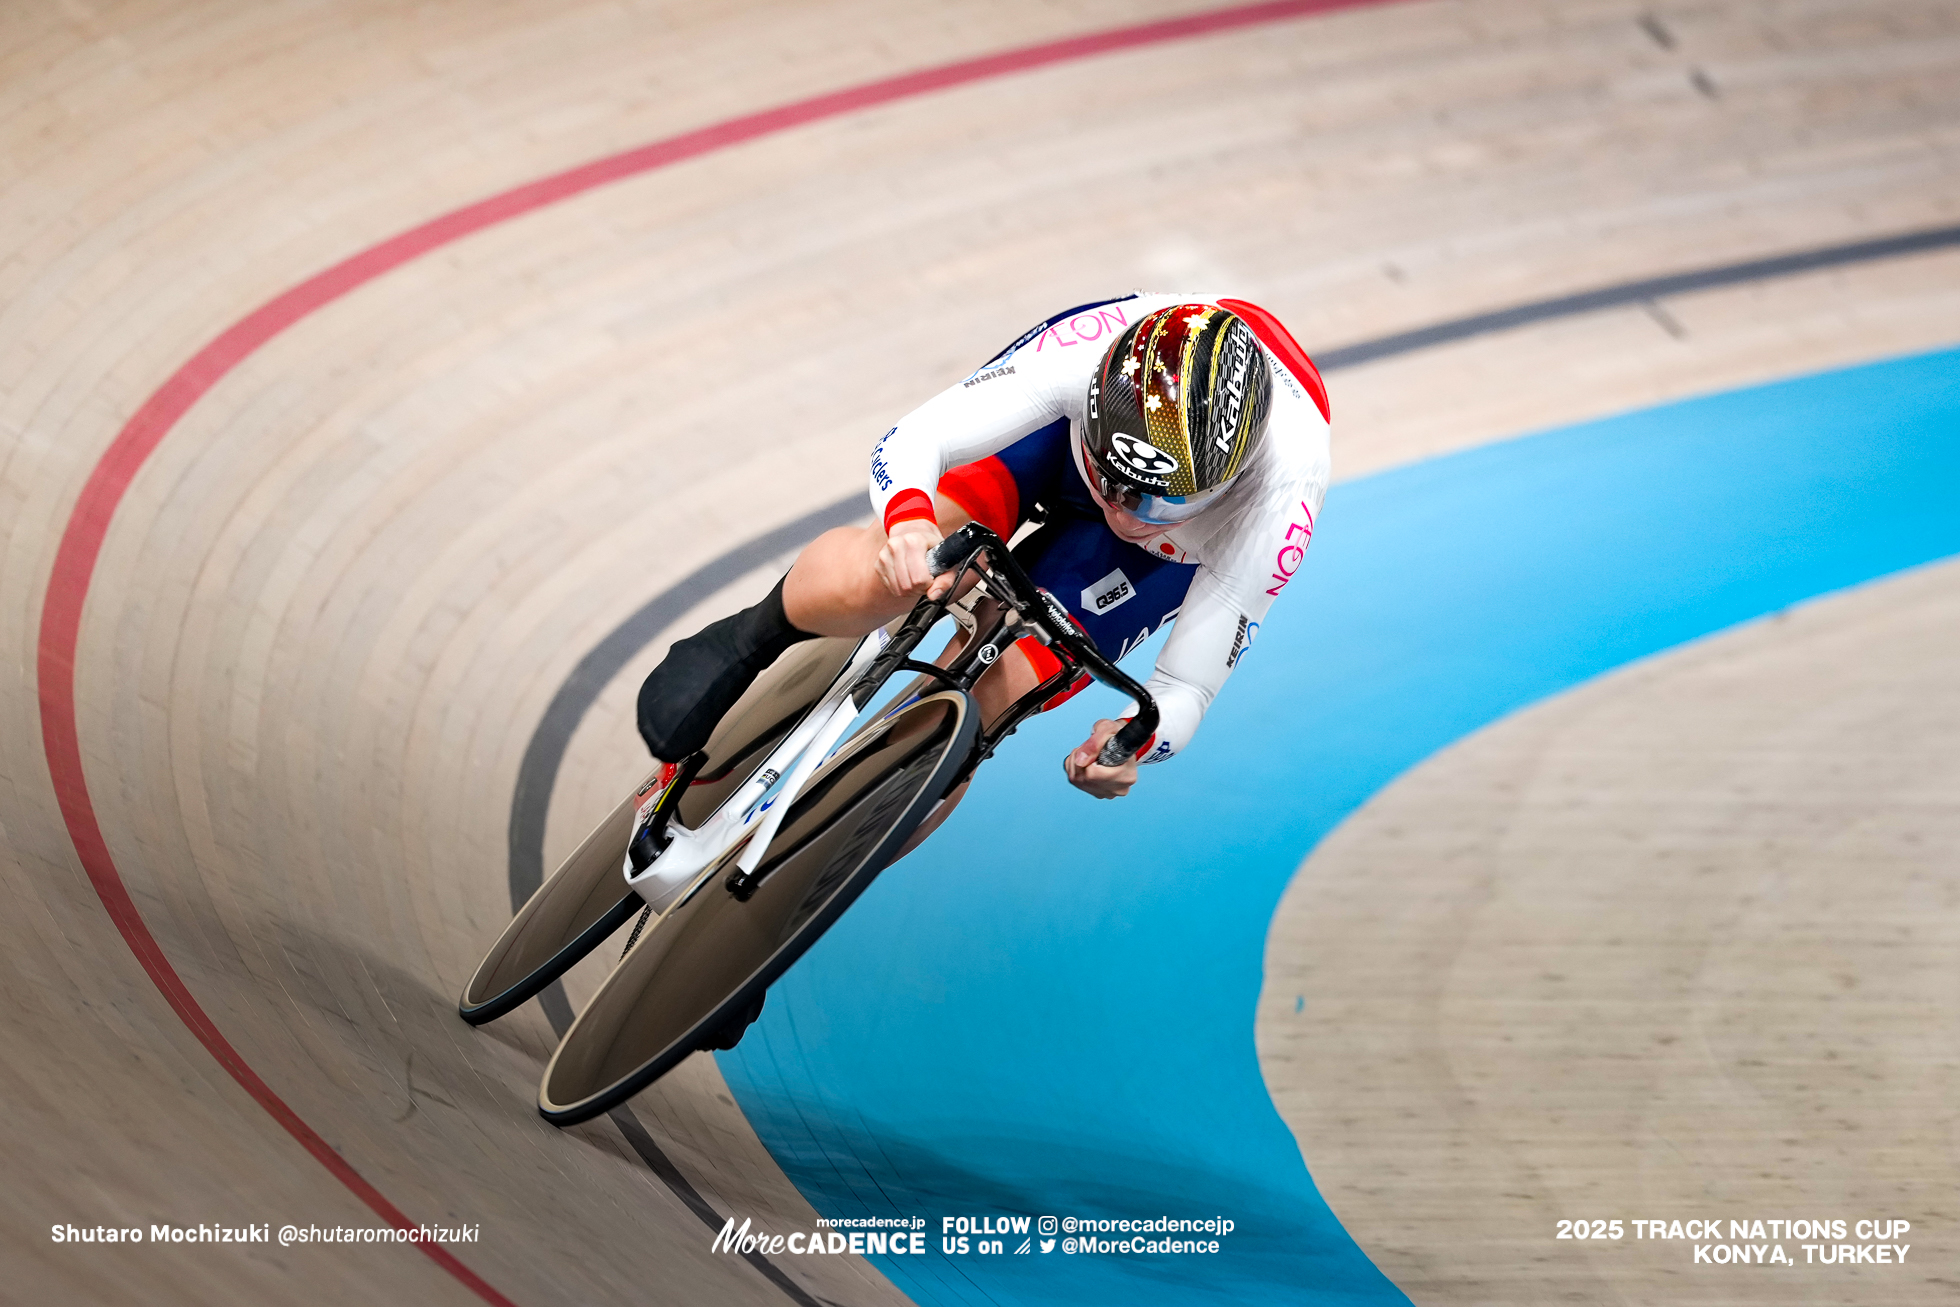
[(1141, 460), (1226, 429)]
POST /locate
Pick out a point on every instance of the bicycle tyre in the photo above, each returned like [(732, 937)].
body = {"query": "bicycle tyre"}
[(586, 899), (712, 956)]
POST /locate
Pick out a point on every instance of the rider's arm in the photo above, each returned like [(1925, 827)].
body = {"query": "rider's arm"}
[(967, 421), (1210, 634), (1043, 377)]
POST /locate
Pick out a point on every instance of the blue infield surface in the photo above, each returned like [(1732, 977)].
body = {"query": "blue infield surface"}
[(1048, 1009)]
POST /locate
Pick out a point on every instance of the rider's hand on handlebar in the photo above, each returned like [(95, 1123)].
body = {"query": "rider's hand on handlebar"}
[(902, 563), (1103, 782)]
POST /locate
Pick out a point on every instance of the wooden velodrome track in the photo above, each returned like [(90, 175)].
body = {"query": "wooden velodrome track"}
[(333, 603)]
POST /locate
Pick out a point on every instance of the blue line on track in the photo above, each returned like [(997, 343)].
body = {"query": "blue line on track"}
[(1049, 1007)]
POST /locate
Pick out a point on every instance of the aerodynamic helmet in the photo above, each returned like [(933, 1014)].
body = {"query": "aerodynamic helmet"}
[(1176, 408)]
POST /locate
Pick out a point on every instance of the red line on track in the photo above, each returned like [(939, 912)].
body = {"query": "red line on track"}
[(88, 523)]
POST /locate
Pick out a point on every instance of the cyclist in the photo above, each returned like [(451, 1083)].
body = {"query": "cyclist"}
[(1177, 470)]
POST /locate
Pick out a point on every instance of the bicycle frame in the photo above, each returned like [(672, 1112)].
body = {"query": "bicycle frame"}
[(754, 812), (687, 853)]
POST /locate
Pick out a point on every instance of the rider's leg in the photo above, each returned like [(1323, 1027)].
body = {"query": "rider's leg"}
[(831, 590), (1012, 676), (702, 676)]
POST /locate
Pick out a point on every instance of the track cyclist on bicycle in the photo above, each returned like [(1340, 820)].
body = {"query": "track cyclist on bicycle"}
[(1176, 471)]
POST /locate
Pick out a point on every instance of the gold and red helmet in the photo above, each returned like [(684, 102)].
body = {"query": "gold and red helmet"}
[(1176, 408)]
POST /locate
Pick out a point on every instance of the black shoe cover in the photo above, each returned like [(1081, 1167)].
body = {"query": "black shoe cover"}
[(702, 676), (730, 1032)]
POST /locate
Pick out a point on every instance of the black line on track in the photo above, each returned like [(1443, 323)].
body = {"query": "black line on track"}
[(538, 773), (657, 1162), (1638, 292)]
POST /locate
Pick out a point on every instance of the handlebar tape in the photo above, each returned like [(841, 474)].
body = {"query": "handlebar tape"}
[(947, 554), (1123, 746)]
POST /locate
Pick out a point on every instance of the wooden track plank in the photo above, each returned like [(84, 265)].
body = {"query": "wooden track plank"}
[(1662, 947)]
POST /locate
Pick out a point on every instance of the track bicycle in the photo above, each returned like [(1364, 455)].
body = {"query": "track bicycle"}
[(737, 859)]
